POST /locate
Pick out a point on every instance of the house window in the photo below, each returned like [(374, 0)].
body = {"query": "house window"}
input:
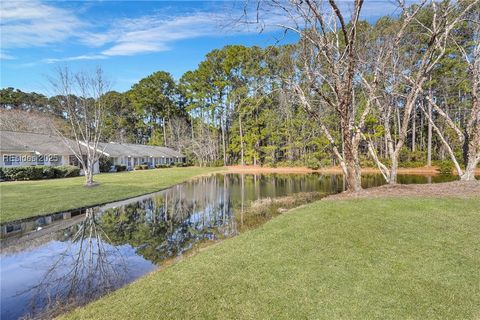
[(41, 160), (11, 160), (7, 159), (56, 160)]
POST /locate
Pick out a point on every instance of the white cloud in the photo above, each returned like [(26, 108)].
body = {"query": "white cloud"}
[(32, 23), (155, 33), (82, 57), (4, 56)]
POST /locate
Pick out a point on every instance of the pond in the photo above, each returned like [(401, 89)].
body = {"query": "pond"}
[(52, 263)]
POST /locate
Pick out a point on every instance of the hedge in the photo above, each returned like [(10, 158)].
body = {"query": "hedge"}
[(38, 172), (120, 167)]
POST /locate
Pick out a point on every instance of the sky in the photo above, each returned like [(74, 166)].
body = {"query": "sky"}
[(128, 39)]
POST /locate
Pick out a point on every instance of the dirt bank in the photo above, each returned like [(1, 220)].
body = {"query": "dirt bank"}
[(256, 169), (448, 189)]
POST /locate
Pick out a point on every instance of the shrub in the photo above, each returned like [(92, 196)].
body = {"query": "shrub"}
[(39, 172), (412, 164), (2, 175), (105, 164), (181, 164), (445, 167), (144, 166), (325, 162), (137, 167), (160, 166), (68, 171), (49, 172), (120, 167), (313, 164), (24, 173)]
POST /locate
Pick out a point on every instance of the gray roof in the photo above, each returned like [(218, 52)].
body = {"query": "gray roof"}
[(114, 149), (12, 141)]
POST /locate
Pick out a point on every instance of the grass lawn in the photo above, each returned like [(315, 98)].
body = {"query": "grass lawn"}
[(398, 258), (29, 198)]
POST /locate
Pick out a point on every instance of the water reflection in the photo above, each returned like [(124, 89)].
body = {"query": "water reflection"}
[(87, 268), (77, 260)]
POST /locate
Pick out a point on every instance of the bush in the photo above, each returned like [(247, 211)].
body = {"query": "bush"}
[(68, 171), (313, 164), (137, 167), (144, 166), (50, 172), (445, 167), (181, 164), (120, 167), (160, 166), (39, 172), (2, 175), (325, 162), (24, 173), (105, 164), (412, 164)]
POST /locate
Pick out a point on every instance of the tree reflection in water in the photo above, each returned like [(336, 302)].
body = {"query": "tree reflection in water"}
[(88, 268), (162, 226), (167, 225)]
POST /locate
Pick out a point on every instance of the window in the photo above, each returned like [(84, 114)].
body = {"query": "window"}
[(7, 159)]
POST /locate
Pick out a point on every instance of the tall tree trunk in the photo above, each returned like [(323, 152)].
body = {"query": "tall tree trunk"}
[(414, 128), (164, 132), (429, 130), (473, 156), (350, 149), (242, 153), (224, 148)]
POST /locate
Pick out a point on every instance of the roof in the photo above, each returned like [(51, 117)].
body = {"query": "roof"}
[(14, 141), (114, 149)]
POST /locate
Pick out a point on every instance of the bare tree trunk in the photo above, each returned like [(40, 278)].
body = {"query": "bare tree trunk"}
[(429, 134), (414, 128)]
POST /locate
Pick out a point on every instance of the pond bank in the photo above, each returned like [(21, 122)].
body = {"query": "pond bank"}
[(330, 170), (24, 199), (458, 189), (358, 258), (349, 258)]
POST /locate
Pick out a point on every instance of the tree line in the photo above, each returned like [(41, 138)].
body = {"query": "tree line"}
[(401, 91)]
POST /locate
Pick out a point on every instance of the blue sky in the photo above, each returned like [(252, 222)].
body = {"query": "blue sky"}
[(128, 39)]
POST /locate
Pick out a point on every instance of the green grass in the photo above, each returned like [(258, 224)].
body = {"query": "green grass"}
[(30, 198), (354, 259)]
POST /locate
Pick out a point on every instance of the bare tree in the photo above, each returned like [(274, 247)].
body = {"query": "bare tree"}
[(79, 97), (326, 71), (88, 268), (469, 134), (395, 78)]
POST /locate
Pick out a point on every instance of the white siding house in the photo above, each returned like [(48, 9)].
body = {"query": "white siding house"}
[(130, 155), (26, 149), (31, 149)]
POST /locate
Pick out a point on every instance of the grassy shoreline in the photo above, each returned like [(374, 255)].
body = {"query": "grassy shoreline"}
[(386, 258), (24, 199)]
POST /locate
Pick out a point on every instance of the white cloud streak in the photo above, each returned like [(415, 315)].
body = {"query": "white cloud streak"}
[(32, 24)]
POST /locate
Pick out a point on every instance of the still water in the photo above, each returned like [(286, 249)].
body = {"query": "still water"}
[(78, 257)]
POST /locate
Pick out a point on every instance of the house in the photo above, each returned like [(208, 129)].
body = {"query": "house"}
[(130, 155), (31, 149), (27, 149)]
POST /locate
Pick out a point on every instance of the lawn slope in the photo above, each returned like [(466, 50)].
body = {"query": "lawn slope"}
[(29, 198), (401, 258)]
